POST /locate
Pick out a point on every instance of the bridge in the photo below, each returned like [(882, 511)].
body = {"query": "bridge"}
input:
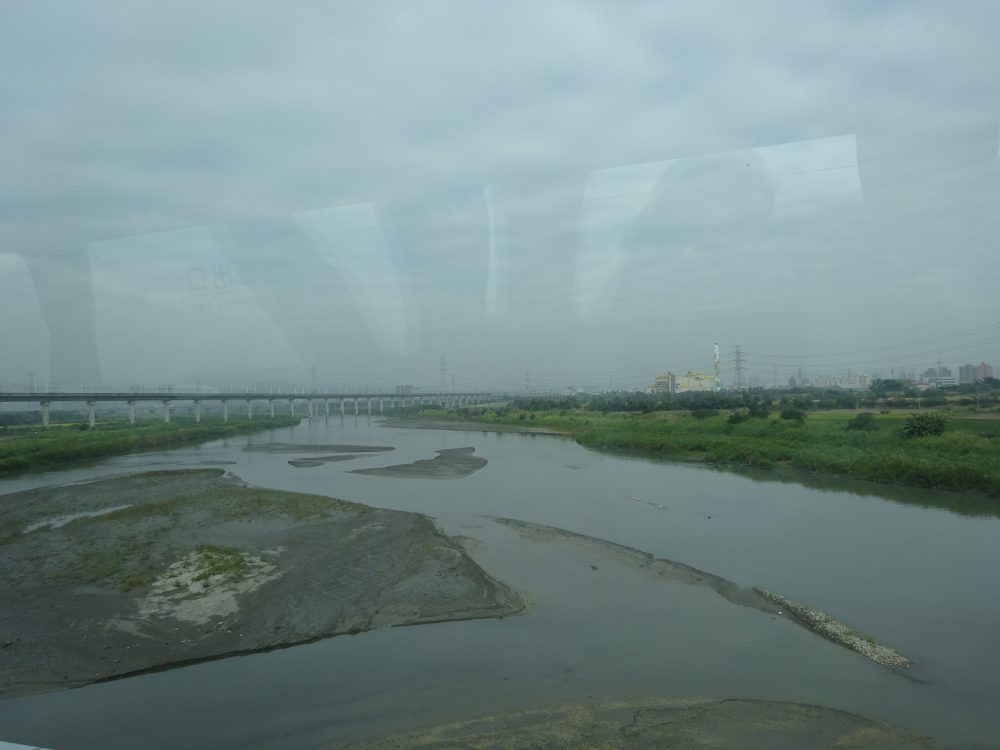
[(313, 401)]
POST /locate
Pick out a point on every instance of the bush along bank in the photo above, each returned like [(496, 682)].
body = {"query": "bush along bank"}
[(24, 450), (921, 450)]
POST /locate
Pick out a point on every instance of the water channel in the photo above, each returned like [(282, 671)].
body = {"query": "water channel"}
[(914, 569)]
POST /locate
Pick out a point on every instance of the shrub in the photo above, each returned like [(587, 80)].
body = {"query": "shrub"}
[(736, 417), (864, 421), (794, 415), (704, 413), (922, 425)]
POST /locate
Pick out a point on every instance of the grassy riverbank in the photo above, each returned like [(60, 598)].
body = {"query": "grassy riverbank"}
[(25, 448), (965, 457)]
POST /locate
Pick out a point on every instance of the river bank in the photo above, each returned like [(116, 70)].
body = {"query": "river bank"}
[(960, 459), (143, 572), (28, 448)]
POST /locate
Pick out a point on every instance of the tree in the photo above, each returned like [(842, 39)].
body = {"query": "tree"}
[(923, 425), (864, 421), (793, 415)]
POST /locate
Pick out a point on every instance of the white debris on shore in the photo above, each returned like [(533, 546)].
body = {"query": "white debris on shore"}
[(185, 591), (838, 632)]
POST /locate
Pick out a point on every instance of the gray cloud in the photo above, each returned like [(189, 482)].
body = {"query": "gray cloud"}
[(130, 119)]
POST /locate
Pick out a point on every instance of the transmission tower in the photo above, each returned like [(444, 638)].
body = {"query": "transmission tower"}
[(739, 366), (444, 375)]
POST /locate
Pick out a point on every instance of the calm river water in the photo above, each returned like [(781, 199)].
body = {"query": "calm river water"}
[(915, 570)]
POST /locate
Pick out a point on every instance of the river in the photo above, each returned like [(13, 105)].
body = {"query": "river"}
[(914, 569)]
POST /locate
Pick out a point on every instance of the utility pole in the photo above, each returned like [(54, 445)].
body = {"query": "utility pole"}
[(717, 384), (739, 366)]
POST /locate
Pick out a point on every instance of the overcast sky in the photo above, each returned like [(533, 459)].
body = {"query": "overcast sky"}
[(595, 192)]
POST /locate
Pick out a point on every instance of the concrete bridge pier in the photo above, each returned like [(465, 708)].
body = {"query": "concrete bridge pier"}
[(355, 407), (166, 411), (369, 408), (326, 406), (381, 406), (92, 413), (225, 411), (291, 407), (249, 409), (309, 408), (271, 402), (45, 414), (131, 412), (197, 412), (341, 408)]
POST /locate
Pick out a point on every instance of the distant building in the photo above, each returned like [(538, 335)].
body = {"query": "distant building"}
[(694, 381), (663, 384), (404, 390), (967, 374), (939, 376), (849, 380), (984, 371)]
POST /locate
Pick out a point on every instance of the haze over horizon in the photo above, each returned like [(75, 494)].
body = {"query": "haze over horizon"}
[(239, 192)]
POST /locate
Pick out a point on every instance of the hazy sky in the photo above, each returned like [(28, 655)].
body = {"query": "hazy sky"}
[(595, 192)]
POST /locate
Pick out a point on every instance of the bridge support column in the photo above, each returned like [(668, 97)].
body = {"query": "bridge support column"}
[(309, 408), (355, 407), (381, 406), (225, 411), (291, 407), (92, 413), (326, 406), (45, 414), (249, 409), (341, 408), (131, 412), (271, 402), (166, 411), (197, 412), (369, 408)]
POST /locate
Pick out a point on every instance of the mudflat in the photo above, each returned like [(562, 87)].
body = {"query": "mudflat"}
[(662, 723), (450, 463), (756, 598), (147, 571)]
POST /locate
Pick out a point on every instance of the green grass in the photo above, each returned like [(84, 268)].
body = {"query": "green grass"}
[(214, 560), (232, 503), (26, 448), (131, 559), (965, 458)]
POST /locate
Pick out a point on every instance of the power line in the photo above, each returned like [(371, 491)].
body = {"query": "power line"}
[(738, 364)]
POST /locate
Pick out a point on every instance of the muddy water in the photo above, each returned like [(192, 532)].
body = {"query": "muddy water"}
[(904, 566)]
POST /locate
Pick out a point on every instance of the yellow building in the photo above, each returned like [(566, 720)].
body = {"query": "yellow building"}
[(694, 381)]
